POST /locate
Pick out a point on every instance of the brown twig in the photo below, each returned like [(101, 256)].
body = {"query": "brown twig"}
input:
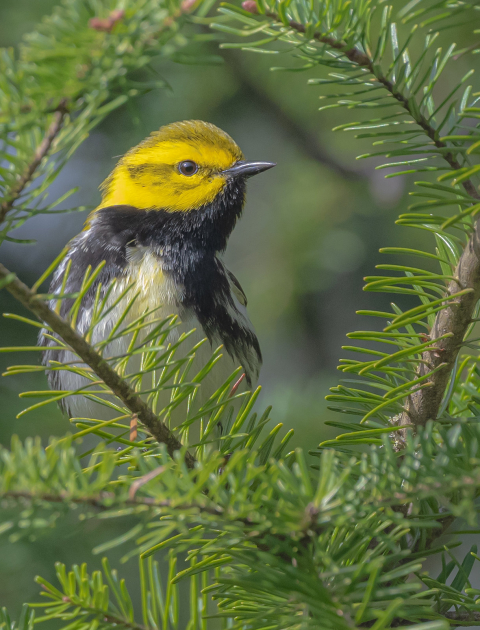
[(104, 500), (102, 369), (114, 620), (464, 616), (40, 153), (455, 318)]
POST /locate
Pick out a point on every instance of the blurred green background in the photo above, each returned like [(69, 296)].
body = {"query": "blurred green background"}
[(311, 230)]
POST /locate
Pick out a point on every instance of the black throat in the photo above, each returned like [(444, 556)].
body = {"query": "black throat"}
[(203, 231), (186, 243)]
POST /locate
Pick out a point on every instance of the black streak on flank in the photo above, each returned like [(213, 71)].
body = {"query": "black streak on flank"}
[(187, 244)]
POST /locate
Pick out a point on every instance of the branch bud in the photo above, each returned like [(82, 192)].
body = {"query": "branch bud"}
[(107, 24), (250, 6), (187, 5)]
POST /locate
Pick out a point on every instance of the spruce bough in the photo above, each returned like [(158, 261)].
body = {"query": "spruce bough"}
[(270, 540)]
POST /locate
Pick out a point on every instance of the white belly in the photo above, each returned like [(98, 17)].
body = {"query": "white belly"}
[(157, 298)]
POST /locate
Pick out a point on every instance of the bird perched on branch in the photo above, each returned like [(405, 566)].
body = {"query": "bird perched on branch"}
[(167, 211)]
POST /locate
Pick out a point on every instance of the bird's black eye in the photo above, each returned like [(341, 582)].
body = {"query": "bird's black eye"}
[(188, 168)]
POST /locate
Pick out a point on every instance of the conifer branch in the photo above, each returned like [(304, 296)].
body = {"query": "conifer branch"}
[(41, 152), (454, 319), (275, 537), (106, 617), (105, 501), (464, 618), (90, 356), (361, 59)]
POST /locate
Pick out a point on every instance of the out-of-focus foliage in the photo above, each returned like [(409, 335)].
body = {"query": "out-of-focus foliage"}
[(266, 513), (261, 538)]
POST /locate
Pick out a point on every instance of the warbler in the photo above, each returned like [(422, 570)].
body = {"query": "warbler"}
[(166, 213)]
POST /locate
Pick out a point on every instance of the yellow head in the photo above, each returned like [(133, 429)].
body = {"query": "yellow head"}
[(181, 167)]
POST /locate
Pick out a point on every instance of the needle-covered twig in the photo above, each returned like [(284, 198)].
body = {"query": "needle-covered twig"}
[(95, 361), (41, 152), (452, 322)]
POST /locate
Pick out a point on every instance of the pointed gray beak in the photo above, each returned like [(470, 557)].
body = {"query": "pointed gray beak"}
[(247, 169)]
